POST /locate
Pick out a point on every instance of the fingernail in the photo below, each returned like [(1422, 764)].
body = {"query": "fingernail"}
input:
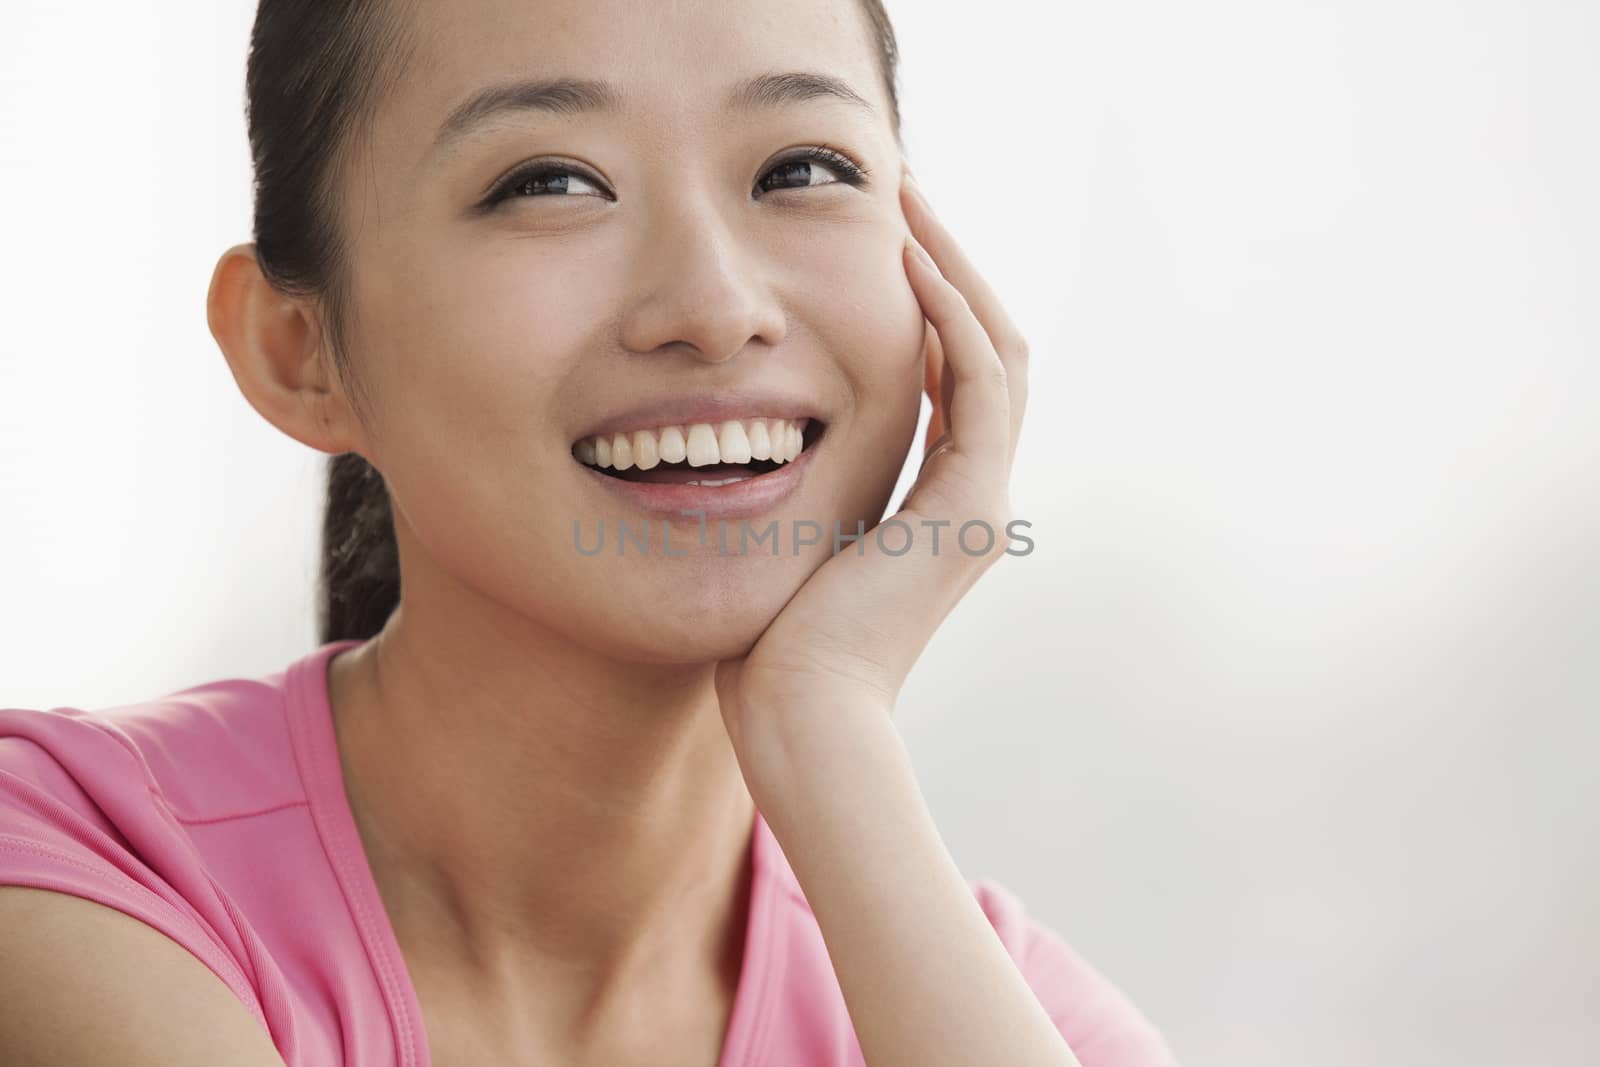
[(921, 253)]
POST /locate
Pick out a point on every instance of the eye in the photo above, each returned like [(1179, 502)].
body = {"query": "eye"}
[(800, 170), (545, 179)]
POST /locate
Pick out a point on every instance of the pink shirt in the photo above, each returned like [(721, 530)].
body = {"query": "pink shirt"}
[(217, 815)]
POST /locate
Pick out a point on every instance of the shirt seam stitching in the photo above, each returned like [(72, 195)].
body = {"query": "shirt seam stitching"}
[(205, 820), (400, 1022)]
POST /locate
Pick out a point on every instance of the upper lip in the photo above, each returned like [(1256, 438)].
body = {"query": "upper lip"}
[(711, 408)]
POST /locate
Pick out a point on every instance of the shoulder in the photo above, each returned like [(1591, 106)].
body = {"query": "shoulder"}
[(215, 815), (1099, 1021), (81, 984), (100, 805)]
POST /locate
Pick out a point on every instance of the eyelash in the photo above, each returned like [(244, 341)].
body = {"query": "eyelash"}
[(848, 170)]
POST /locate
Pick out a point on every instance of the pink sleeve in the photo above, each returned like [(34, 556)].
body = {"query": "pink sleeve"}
[(89, 831), (1101, 1025)]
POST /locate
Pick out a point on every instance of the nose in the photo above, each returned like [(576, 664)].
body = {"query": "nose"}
[(700, 288)]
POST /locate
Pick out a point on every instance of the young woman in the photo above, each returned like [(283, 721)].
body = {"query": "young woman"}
[(528, 271)]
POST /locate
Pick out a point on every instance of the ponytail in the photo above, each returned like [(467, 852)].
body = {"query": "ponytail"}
[(359, 585)]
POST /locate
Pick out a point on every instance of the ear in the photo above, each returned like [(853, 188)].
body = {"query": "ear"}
[(274, 345)]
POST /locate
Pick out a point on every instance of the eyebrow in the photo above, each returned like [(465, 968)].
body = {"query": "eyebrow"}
[(575, 96)]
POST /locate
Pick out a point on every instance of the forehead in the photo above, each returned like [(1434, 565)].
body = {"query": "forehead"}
[(672, 61)]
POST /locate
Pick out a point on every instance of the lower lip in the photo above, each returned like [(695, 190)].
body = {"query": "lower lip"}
[(744, 499)]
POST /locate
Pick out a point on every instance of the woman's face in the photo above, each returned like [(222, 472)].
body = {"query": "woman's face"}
[(680, 253)]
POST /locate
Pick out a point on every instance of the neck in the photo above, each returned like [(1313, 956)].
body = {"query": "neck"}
[(527, 800)]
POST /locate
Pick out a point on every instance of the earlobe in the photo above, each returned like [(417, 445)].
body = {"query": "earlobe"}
[(273, 345)]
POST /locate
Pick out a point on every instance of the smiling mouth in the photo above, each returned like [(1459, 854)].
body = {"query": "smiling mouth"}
[(701, 454)]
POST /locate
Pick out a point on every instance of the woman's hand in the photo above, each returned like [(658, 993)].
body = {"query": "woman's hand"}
[(923, 975), (846, 641)]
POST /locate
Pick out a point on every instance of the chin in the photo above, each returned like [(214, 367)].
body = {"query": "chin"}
[(727, 643), (689, 630)]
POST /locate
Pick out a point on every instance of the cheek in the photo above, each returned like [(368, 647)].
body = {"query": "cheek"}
[(468, 356), (471, 350), (868, 319), (872, 300)]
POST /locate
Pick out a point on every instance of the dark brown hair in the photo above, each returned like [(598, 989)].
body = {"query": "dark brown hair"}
[(316, 71)]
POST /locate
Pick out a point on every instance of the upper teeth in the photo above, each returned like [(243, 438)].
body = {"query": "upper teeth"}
[(701, 443)]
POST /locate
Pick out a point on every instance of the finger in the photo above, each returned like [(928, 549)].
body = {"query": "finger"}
[(936, 385), (979, 417), (1004, 334), (947, 387)]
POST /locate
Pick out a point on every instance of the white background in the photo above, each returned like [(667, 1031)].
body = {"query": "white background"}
[(1288, 724)]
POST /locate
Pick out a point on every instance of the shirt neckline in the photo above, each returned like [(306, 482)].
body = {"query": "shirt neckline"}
[(315, 744)]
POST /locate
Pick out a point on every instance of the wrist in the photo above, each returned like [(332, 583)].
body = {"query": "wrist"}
[(830, 756)]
